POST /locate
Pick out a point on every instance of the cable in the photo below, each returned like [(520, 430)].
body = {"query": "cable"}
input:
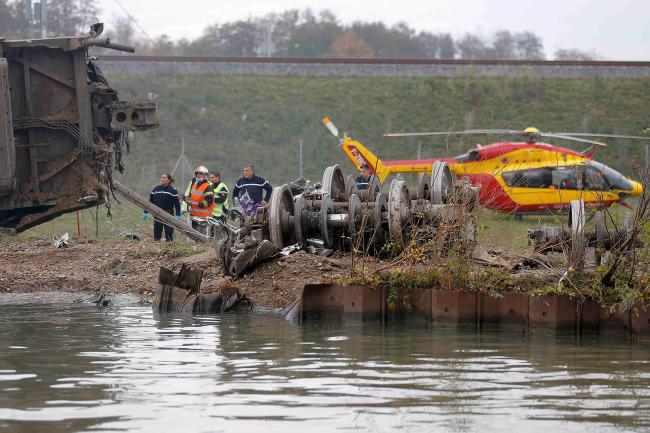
[(126, 217), (132, 18), (83, 219)]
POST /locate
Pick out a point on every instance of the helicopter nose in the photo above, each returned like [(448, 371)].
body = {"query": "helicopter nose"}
[(637, 189)]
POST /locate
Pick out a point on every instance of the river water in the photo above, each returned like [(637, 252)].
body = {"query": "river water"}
[(77, 367)]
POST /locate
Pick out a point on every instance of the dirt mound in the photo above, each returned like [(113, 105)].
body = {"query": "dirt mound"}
[(277, 283)]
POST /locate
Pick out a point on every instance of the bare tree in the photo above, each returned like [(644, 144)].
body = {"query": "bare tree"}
[(529, 46), (240, 38), (472, 47), (437, 45), (574, 54), (123, 31), (504, 45)]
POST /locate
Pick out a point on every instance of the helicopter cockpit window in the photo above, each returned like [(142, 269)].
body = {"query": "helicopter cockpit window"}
[(533, 178), (565, 178), (595, 179), (612, 179)]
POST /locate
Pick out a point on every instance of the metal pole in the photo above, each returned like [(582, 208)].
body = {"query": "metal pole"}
[(300, 142), (43, 19), (183, 183), (419, 150), (28, 11)]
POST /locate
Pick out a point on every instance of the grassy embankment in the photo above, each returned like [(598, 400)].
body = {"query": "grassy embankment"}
[(228, 120)]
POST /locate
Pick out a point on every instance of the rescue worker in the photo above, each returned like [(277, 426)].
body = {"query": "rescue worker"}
[(220, 211), (165, 197), (364, 180), (200, 200), (257, 188)]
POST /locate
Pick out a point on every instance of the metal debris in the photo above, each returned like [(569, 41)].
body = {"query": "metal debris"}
[(132, 235), (291, 249), (62, 240)]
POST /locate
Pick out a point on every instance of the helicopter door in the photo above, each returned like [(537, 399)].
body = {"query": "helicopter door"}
[(532, 187)]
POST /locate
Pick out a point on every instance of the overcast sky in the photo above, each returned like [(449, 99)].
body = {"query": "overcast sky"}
[(614, 29)]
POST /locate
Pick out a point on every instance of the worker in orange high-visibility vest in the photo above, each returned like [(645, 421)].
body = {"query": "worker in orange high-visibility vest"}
[(201, 200)]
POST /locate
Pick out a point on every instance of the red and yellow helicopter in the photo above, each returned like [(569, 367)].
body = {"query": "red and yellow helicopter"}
[(516, 177)]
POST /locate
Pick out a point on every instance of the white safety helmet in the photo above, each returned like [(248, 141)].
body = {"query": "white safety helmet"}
[(201, 169)]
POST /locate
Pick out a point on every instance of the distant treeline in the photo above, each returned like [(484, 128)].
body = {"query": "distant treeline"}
[(292, 33)]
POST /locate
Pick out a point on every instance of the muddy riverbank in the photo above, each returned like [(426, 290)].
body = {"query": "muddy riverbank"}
[(131, 267), (128, 267)]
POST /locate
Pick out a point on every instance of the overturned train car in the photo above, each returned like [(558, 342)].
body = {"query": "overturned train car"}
[(63, 129)]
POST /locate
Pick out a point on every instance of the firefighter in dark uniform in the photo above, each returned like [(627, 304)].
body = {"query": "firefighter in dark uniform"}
[(364, 180), (165, 197), (258, 189)]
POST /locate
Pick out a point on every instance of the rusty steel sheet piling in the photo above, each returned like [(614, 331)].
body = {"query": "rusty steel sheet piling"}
[(640, 322), (451, 309), (508, 311), (414, 309), (552, 314), (361, 304), (321, 302), (522, 313), (594, 319)]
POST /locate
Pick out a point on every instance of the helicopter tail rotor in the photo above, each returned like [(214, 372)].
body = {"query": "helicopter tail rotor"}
[(330, 126)]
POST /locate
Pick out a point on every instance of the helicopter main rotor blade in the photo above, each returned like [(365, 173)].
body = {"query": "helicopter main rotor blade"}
[(466, 132), (561, 136), (585, 134), (571, 138)]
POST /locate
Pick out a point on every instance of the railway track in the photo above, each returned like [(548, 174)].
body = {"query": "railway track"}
[(326, 61)]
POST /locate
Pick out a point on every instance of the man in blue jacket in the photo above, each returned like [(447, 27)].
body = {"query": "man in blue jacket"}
[(363, 181), (165, 197), (258, 189)]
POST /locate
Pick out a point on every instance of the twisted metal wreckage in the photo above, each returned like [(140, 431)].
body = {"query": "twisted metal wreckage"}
[(335, 215), (63, 129)]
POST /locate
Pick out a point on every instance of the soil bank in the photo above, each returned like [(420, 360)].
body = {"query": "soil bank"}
[(131, 267)]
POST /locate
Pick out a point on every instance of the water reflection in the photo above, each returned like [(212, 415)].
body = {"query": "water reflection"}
[(78, 368)]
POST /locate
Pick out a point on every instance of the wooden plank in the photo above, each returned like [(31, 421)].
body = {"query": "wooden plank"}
[(158, 213)]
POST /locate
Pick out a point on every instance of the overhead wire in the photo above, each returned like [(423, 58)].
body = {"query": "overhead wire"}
[(120, 211), (134, 20)]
